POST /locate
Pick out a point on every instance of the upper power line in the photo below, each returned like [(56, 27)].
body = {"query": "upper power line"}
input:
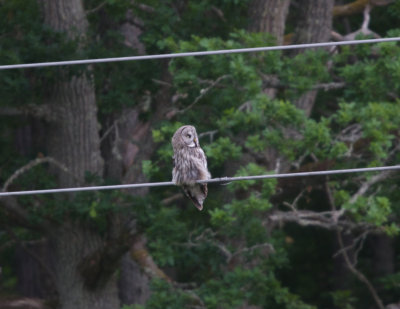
[(199, 53)]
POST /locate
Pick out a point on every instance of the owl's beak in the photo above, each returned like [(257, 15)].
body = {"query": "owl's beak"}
[(196, 143)]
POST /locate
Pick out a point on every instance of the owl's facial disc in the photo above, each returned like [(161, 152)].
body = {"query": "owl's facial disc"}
[(190, 139), (193, 143)]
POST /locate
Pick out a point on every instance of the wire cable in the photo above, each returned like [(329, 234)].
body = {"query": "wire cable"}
[(214, 180), (199, 53)]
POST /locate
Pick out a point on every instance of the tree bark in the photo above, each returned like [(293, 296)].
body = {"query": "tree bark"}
[(73, 139), (70, 243), (315, 24), (268, 16)]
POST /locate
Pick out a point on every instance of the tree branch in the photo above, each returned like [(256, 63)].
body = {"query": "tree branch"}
[(142, 257), (343, 251), (203, 92), (329, 86), (359, 274), (271, 81), (32, 164), (327, 220), (357, 7), (363, 30), (366, 185), (36, 110), (88, 12)]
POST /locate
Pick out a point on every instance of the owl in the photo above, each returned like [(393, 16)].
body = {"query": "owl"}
[(190, 164)]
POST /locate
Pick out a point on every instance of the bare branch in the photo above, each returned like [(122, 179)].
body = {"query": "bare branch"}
[(364, 30), (203, 92), (246, 106), (206, 236), (271, 81), (357, 244), (359, 274), (326, 220), (32, 164), (144, 7), (357, 6), (367, 18), (344, 251), (329, 86), (218, 12), (36, 110), (161, 82), (172, 199), (96, 8), (266, 245), (210, 134), (366, 185), (293, 205)]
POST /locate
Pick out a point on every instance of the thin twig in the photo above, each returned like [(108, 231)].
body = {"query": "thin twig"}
[(293, 205), (366, 185), (359, 274), (252, 248), (357, 243), (203, 92), (346, 257), (96, 8)]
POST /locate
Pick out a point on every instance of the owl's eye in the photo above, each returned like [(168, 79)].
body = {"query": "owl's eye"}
[(189, 135)]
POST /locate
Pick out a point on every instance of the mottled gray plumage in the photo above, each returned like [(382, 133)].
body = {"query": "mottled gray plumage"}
[(190, 164)]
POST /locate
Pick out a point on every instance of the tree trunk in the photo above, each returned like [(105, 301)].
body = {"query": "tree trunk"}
[(268, 16), (133, 282), (71, 243), (315, 23), (73, 139)]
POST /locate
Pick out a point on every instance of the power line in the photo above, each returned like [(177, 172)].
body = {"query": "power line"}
[(214, 180), (199, 53)]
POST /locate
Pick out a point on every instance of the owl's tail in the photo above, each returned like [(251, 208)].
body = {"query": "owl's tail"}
[(197, 194)]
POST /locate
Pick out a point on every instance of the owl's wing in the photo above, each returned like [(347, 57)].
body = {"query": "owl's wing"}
[(202, 157)]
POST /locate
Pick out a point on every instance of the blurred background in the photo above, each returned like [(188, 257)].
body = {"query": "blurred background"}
[(295, 243)]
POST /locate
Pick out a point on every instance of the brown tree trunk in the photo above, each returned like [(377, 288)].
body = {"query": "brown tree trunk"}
[(71, 243), (73, 139), (268, 16), (315, 23)]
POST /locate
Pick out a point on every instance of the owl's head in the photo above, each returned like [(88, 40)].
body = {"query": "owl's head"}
[(185, 136)]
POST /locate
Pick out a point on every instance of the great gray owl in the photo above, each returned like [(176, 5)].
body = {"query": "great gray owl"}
[(190, 164)]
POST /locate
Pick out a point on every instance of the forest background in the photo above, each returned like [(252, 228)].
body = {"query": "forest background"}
[(318, 242)]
